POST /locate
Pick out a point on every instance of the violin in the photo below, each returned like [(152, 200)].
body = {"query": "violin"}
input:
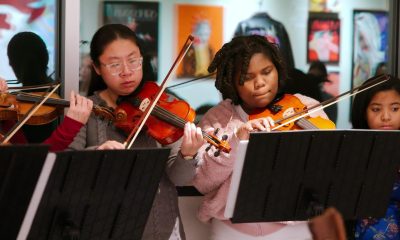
[(14, 107), (285, 107), (166, 121)]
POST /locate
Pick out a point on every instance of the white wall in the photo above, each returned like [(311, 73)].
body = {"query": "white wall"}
[(292, 13)]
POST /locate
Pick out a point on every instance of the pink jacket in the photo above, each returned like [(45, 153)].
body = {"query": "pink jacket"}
[(213, 175)]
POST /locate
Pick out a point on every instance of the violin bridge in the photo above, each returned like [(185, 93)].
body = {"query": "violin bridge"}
[(144, 104)]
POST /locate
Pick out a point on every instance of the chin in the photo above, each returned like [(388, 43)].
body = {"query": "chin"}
[(387, 128)]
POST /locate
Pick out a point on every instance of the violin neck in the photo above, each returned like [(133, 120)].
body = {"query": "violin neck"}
[(50, 101)]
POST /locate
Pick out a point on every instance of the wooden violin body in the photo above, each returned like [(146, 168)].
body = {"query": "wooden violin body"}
[(287, 106), (167, 120), (12, 109)]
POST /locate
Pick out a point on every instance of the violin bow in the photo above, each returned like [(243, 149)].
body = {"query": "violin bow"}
[(135, 131), (35, 87), (34, 108), (192, 80), (306, 112)]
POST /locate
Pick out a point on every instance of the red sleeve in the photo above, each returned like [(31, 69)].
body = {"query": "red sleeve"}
[(63, 135), (18, 137)]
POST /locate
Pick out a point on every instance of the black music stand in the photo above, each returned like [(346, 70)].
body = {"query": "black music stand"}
[(97, 195), (20, 169), (296, 175)]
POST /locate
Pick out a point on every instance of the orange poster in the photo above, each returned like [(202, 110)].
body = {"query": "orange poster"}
[(204, 23)]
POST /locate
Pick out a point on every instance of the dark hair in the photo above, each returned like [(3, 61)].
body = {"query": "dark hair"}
[(237, 54), (101, 39), (320, 68), (381, 68), (28, 57), (305, 84), (362, 100)]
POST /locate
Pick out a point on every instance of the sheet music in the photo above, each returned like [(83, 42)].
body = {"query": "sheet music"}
[(37, 196), (236, 175)]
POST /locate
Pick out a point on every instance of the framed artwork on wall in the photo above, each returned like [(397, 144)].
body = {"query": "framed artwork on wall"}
[(142, 18), (370, 43), (324, 5), (323, 38), (204, 23), (39, 17)]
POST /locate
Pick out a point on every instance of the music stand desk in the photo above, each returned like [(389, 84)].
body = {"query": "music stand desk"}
[(286, 176)]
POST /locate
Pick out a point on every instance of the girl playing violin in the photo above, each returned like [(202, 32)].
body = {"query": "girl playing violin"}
[(379, 108), (28, 57), (77, 115), (250, 76), (117, 60)]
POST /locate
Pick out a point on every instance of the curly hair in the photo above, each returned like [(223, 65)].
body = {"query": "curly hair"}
[(234, 57), (363, 99)]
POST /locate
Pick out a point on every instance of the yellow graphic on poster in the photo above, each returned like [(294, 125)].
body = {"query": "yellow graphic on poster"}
[(324, 6), (204, 23)]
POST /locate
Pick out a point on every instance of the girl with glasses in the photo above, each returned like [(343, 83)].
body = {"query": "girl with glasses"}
[(119, 71)]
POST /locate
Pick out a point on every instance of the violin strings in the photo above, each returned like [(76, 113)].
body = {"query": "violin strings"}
[(177, 121), (305, 124), (135, 131), (317, 107)]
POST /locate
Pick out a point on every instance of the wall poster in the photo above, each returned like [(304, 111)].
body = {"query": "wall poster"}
[(142, 18), (323, 39), (205, 24), (370, 43)]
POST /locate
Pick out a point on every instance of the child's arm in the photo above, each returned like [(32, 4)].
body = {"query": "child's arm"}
[(213, 171)]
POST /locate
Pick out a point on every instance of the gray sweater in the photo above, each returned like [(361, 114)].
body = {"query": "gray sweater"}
[(164, 221)]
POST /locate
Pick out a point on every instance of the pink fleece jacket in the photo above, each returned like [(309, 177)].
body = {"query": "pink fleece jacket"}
[(214, 174)]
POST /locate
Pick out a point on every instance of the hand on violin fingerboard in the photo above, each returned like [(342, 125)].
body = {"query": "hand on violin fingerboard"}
[(3, 85), (79, 108), (259, 124), (111, 145), (192, 140)]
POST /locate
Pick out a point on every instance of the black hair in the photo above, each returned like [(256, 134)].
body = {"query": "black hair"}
[(234, 57), (28, 57), (381, 68), (101, 39), (363, 99), (305, 84), (320, 68)]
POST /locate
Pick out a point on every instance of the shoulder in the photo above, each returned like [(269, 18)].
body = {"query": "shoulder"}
[(97, 99), (311, 102), (220, 114), (308, 101)]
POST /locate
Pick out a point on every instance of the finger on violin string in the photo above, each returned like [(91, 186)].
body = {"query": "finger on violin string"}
[(193, 130), (271, 121), (3, 86), (79, 99), (199, 135), (89, 103), (260, 124), (72, 100)]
